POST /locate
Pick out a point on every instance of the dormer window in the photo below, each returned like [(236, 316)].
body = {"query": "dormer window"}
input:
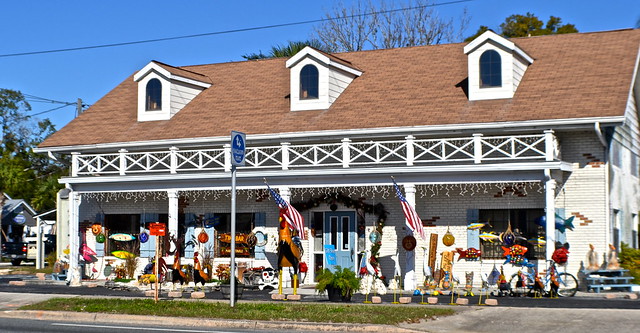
[(154, 95), (490, 69), (309, 82), (495, 65)]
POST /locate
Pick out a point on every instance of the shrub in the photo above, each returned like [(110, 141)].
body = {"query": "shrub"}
[(343, 279), (630, 259)]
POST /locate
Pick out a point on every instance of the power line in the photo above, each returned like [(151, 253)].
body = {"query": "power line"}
[(50, 110), (228, 31)]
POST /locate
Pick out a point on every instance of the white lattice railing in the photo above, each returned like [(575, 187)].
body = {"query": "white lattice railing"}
[(346, 154)]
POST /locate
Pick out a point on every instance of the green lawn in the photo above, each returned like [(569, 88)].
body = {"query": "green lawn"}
[(299, 312)]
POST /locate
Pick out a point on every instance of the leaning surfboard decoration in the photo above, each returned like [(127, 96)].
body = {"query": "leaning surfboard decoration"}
[(122, 237), (123, 254)]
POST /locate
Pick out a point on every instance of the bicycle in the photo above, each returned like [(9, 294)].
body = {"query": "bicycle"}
[(553, 284)]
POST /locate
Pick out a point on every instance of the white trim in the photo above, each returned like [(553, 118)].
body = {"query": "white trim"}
[(309, 51), (498, 39), (153, 66), (190, 81), (568, 123), (260, 175)]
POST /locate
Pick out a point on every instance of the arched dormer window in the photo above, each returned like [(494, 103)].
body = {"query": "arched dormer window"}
[(309, 82), (490, 69), (154, 95)]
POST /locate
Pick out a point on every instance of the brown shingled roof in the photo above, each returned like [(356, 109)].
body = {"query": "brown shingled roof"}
[(573, 76)]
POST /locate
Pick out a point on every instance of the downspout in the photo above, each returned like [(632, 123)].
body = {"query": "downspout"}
[(607, 171)]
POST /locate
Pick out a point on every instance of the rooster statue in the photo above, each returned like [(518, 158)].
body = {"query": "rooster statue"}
[(289, 251), (199, 274), (177, 275)]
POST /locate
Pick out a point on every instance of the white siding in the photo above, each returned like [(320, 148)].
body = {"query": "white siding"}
[(338, 82), (181, 95)]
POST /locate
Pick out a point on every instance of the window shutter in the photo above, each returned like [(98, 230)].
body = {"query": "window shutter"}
[(473, 236), (560, 236), (260, 221), (148, 249), (189, 221)]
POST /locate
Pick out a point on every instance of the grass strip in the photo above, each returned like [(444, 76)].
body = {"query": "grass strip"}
[(298, 312)]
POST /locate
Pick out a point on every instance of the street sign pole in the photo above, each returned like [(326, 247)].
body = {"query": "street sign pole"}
[(232, 270), (238, 148)]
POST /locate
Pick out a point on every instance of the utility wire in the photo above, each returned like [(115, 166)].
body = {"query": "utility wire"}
[(50, 110), (229, 31)]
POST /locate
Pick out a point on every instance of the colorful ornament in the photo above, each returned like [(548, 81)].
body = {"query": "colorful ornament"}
[(374, 237), (470, 254), (508, 238), (96, 229), (122, 237), (144, 237), (100, 238), (477, 225), (515, 256), (203, 237), (560, 256), (448, 238), (489, 236), (123, 254), (539, 242)]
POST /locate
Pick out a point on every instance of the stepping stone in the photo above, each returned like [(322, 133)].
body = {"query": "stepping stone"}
[(17, 283), (40, 276), (376, 299), (432, 300), (92, 285), (294, 297), (197, 294), (462, 301), (175, 294), (150, 293), (631, 296), (404, 300), (278, 297), (491, 301)]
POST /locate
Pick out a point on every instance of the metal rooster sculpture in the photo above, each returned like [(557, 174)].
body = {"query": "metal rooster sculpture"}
[(289, 251)]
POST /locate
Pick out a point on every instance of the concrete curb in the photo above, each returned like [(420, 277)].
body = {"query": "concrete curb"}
[(107, 318)]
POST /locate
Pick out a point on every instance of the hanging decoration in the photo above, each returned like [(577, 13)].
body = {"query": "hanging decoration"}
[(96, 229), (144, 237), (470, 254), (515, 255), (122, 237), (448, 239), (100, 238), (508, 238), (203, 237), (489, 236), (374, 236)]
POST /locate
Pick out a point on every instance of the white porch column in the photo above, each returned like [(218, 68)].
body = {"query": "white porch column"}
[(73, 275), (173, 212), (550, 215), (410, 266)]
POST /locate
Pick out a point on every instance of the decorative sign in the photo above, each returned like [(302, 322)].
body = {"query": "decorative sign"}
[(433, 246), (144, 237), (330, 254), (238, 148), (19, 219), (409, 243), (157, 229)]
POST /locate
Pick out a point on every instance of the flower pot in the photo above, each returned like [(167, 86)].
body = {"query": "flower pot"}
[(225, 289), (335, 295)]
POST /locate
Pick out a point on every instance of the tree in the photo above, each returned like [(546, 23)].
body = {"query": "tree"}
[(529, 25), (365, 26), (23, 173), (286, 50)]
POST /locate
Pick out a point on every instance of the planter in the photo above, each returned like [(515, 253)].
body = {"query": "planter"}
[(225, 289), (335, 295)]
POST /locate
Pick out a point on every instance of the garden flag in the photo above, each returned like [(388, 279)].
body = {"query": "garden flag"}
[(291, 215), (413, 220)]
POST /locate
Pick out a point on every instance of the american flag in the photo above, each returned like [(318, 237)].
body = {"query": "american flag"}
[(412, 219), (291, 215)]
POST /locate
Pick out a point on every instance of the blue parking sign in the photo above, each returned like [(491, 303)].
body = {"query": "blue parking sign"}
[(238, 148)]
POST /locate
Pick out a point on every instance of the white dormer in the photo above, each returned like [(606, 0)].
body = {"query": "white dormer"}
[(496, 67), (317, 79), (161, 93)]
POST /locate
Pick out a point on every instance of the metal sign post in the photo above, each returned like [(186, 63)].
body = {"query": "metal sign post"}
[(238, 148)]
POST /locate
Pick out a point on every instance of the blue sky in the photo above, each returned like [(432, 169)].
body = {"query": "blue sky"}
[(89, 74)]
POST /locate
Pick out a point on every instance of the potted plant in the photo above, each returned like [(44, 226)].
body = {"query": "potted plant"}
[(339, 284), (224, 275)]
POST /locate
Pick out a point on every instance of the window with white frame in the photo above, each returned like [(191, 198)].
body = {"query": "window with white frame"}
[(490, 69), (309, 82), (153, 100)]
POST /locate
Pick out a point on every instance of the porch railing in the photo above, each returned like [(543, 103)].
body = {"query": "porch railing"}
[(345, 154)]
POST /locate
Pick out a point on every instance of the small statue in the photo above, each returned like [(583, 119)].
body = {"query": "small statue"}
[(592, 259), (468, 286), (612, 262)]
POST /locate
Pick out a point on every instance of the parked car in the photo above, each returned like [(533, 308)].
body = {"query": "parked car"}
[(26, 251)]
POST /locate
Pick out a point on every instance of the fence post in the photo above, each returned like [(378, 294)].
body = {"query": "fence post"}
[(227, 157), (549, 145), (410, 149), (477, 148), (285, 155), (173, 155), (75, 163), (123, 161), (345, 152)]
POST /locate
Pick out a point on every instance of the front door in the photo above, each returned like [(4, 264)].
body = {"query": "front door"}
[(340, 231)]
